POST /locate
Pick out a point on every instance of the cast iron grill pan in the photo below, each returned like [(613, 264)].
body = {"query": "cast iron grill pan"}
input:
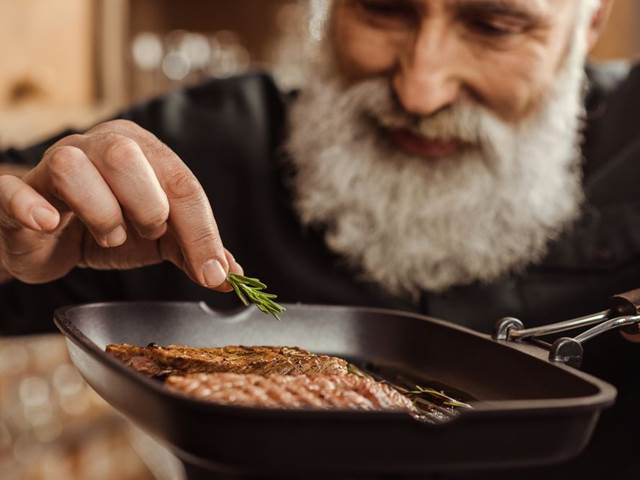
[(529, 411)]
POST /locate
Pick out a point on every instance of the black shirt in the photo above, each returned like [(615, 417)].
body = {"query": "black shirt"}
[(230, 132)]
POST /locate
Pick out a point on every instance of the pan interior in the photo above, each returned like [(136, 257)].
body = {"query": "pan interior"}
[(421, 348)]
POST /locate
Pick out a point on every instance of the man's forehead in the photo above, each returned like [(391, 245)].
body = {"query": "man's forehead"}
[(533, 5), (523, 6), (533, 10)]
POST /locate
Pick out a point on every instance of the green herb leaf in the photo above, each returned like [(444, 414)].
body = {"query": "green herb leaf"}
[(443, 397), (241, 296), (251, 290)]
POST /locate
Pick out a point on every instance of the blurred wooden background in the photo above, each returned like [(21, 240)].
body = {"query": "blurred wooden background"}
[(69, 61), (622, 37)]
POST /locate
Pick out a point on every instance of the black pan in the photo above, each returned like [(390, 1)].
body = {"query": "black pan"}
[(528, 410)]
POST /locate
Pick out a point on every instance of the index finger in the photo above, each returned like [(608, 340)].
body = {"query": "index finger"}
[(190, 213), (194, 226)]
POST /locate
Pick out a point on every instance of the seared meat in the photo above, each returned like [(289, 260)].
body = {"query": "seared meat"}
[(148, 367), (157, 361), (350, 392)]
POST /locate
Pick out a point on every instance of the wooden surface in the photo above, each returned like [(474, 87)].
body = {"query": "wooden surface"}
[(253, 20), (621, 39), (23, 126), (46, 52)]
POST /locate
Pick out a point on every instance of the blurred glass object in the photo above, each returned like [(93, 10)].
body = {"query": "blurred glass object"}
[(230, 57), (14, 359), (196, 48), (67, 381), (34, 392), (176, 66), (52, 425), (180, 57), (147, 51)]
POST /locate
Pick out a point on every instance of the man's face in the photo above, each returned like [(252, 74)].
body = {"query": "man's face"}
[(436, 141), (501, 54)]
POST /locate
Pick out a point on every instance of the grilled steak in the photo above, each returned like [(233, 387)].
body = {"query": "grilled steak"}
[(350, 392), (157, 361)]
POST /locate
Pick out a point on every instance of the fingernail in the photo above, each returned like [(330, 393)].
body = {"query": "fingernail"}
[(45, 218), (240, 269), (116, 238), (214, 274)]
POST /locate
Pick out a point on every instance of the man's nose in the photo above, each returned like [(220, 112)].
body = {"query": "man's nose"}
[(426, 80)]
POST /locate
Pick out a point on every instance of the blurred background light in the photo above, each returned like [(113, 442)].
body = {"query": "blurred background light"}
[(147, 51)]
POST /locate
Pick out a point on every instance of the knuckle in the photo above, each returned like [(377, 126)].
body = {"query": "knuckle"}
[(201, 239), (182, 184), (69, 140), (157, 149), (5, 181), (155, 218), (64, 161), (122, 124), (121, 153), (109, 137), (16, 202), (117, 125), (74, 139)]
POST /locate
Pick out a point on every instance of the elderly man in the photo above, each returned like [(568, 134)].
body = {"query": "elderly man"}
[(452, 157)]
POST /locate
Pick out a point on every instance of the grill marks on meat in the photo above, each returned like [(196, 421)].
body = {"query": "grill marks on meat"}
[(350, 392), (266, 377), (157, 361)]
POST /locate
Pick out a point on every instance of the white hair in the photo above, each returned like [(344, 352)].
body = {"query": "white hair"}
[(408, 224)]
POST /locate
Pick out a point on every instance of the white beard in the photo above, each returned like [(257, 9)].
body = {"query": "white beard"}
[(410, 224)]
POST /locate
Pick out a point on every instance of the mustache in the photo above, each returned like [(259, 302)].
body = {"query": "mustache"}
[(463, 121)]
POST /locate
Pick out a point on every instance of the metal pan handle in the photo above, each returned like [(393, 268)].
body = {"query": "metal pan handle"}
[(626, 303), (624, 313)]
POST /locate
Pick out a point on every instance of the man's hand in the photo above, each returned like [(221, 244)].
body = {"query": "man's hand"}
[(635, 338), (113, 198)]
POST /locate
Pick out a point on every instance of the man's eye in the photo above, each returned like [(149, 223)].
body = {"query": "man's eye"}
[(497, 28), (386, 9)]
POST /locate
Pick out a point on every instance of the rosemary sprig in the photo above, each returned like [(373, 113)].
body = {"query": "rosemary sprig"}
[(416, 395), (352, 369), (251, 290), (443, 397)]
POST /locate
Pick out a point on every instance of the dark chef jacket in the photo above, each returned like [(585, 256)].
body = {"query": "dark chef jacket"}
[(230, 132)]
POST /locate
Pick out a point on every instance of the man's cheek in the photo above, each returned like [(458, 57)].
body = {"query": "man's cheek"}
[(362, 55), (516, 90)]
